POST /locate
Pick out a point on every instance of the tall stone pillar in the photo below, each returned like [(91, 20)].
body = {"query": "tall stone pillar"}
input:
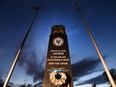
[(58, 71)]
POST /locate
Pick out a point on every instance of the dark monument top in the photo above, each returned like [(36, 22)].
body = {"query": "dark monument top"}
[(57, 29)]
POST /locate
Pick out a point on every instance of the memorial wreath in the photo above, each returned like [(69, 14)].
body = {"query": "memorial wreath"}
[(58, 78)]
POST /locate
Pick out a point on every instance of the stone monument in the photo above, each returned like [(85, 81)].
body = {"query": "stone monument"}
[(58, 71)]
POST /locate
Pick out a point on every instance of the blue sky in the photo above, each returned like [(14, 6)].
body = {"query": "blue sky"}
[(16, 17)]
